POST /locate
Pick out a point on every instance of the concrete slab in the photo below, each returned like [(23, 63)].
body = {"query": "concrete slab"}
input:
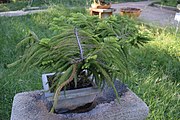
[(34, 106)]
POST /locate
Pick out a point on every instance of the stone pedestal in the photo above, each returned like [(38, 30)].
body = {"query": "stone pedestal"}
[(34, 106)]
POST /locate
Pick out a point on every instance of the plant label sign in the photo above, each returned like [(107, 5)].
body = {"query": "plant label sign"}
[(177, 17)]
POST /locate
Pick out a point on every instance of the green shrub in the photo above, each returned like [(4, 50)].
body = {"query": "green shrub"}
[(3, 8), (169, 2)]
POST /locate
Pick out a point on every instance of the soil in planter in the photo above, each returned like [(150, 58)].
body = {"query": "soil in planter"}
[(130, 10), (82, 82)]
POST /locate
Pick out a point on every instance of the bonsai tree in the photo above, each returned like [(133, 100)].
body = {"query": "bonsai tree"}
[(100, 4), (83, 43)]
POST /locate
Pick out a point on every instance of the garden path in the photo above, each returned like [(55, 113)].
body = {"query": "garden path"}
[(19, 13), (154, 15)]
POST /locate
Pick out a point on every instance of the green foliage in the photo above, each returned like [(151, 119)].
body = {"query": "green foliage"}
[(156, 73), (12, 6), (120, 29), (169, 2), (157, 86), (3, 8), (99, 46)]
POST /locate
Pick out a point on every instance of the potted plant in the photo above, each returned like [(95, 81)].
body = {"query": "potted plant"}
[(79, 94), (130, 12), (85, 48), (101, 4)]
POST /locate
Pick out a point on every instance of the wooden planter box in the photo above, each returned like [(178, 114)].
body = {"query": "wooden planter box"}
[(130, 12)]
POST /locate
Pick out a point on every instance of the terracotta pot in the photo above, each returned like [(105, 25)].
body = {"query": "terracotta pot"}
[(130, 12)]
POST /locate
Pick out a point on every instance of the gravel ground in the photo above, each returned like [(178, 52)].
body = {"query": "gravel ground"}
[(154, 15)]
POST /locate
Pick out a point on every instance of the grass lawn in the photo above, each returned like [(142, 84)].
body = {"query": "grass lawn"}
[(11, 31), (156, 76), (155, 70), (19, 5)]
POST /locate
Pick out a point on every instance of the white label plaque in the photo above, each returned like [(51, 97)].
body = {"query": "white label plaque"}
[(177, 17)]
